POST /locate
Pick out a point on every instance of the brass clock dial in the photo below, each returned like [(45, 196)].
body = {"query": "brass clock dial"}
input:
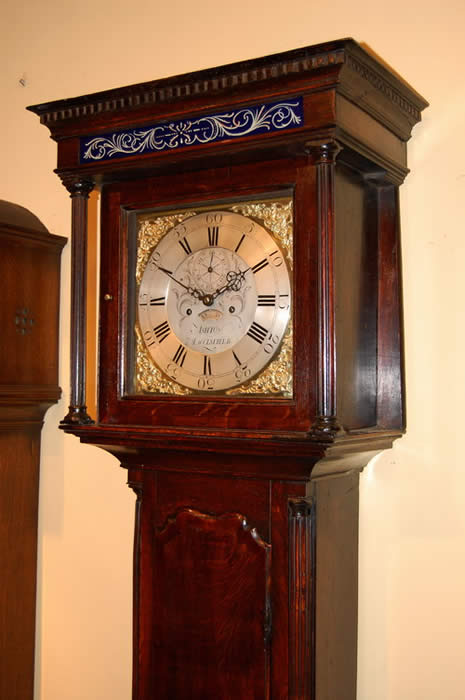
[(214, 301)]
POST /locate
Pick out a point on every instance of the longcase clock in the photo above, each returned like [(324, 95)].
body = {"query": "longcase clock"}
[(250, 353), (29, 311)]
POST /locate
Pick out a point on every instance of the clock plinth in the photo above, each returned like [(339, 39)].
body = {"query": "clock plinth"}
[(250, 352)]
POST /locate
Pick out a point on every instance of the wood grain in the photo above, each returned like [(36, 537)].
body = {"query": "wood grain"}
[(29, 289), (223, 482)]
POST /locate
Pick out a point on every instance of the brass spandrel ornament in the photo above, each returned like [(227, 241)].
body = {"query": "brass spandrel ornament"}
[(275, 379), (275, 216), (150, 231), (149, 379)]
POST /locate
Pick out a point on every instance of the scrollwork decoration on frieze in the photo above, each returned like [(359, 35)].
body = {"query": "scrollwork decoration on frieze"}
[(237, 123)]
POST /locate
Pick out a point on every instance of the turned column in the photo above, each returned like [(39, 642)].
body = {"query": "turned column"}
[(323, 156), (301, 598), (79, 191)]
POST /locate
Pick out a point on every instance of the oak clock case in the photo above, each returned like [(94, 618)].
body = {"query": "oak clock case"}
[(213, 299), (250, 353)]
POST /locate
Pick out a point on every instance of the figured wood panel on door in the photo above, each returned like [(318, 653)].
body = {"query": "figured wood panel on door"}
[(211, 603)]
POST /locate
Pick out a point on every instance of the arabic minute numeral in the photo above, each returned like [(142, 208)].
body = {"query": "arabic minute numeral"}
[(242, 373), (206, 383), (149, 338), (154, 260), (284, 304), (180, 230), (271, 343), (214, 218), (172, 370), (276, 258)]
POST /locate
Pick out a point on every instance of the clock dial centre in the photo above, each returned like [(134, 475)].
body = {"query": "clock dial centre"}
[(214, 329)]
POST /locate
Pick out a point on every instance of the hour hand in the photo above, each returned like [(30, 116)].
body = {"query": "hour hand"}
[(233, 283)]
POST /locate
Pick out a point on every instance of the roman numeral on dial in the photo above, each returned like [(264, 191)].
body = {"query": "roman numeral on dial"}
[(266, 300), (260, 265), (184, 243), (180, 355), (207, 365), (162, 331), (159, 301), (213, 233), (239, 244), (257, 332)]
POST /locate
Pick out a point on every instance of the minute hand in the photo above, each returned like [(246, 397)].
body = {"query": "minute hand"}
[(194, 292)]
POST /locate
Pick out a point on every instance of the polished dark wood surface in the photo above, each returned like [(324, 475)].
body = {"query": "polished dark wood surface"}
[(246, 536), (211, 582), (225, 568), (29, 288)]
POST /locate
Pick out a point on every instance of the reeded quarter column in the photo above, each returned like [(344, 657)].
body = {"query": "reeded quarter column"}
[(323, 155)]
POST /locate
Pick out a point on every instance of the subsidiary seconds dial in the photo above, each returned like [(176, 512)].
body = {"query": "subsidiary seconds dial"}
[(214, 301)]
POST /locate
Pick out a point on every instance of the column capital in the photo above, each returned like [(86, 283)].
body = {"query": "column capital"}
[(78, 187), (300, 507), (323, 151)]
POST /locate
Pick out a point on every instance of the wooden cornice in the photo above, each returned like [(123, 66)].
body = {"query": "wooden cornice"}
[(332, 64)]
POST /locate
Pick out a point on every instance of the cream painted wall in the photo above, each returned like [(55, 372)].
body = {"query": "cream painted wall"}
[(412, 530)]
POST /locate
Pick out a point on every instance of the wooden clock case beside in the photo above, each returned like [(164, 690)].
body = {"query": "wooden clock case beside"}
[(30, 293), (245, 559)]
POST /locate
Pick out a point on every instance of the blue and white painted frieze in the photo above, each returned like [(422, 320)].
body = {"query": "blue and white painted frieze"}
[(239, 123)]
